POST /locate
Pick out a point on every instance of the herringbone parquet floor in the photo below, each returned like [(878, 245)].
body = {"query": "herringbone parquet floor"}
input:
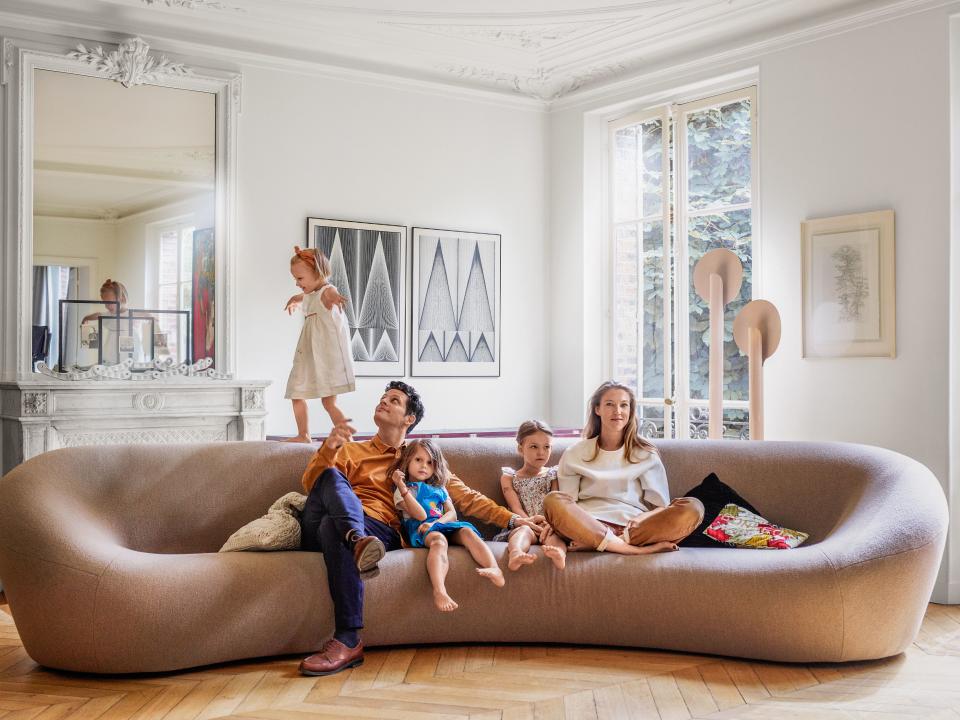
[(507, 682)]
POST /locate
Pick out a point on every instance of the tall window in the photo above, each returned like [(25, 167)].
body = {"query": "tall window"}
[(682, 184), (175, 284)]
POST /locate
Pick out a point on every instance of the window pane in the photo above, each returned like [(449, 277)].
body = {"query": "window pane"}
[(652, 168), (651, 421), (625, 174), (168, 297), (184, 296), (625, 303), (168, 256), (186, 254), (736, 423), (654, 351), (732, 231), (718, 156)]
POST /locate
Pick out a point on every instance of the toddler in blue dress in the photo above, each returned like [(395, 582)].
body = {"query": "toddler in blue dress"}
[(429, 518)]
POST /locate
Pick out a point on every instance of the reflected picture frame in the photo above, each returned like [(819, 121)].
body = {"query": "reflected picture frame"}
[(849, 286)]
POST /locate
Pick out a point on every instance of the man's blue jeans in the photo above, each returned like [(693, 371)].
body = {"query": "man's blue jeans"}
[(332, 511)]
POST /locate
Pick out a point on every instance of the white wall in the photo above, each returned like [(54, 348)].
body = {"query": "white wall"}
[(848, 123), (69, 238), (320, 147)]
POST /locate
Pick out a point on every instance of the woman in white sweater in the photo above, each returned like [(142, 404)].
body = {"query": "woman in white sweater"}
[(613, 493)]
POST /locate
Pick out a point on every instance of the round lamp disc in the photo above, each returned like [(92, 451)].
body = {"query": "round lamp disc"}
[(762, 315), (724, 263)]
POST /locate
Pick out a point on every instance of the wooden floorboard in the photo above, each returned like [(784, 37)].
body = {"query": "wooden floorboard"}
[(508, 682)]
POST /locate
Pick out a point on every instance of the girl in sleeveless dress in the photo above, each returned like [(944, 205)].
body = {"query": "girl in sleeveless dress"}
[(323, 363), (524, 491), (429, 518)]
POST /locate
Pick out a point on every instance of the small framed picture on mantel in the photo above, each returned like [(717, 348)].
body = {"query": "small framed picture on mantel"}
[(849, 286), (456, 304)]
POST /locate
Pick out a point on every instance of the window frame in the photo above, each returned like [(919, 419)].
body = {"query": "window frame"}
[(673, 116)]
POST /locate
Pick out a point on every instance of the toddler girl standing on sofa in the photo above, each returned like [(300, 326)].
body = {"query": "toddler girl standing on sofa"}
[(524, 490), (429, 517), (323, 363)]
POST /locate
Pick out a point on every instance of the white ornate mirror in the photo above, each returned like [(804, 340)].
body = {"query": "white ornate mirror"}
[(123, 172)]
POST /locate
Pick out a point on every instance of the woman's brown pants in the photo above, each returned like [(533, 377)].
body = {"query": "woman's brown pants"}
[(663, 524)]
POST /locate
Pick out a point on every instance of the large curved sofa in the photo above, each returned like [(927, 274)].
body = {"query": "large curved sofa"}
[(108, 558)]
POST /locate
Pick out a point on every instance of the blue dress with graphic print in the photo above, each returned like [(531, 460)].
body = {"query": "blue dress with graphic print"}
[(431, 498)]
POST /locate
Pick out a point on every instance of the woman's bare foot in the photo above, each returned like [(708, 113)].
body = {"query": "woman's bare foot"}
[(557, 555), (494, 575), (300, 439), (443, 601), (661, 547), (518, 558)]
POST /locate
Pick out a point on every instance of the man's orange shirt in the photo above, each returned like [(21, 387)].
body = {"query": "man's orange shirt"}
[(365, 465)]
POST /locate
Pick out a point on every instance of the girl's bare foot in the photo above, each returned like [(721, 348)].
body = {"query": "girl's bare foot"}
[(300, 439), (443, 601), (518, 558), (557, 555), (494, 575)]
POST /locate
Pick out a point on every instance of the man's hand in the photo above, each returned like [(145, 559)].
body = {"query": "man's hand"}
[(341, 434), (293, 303), (536, 523)]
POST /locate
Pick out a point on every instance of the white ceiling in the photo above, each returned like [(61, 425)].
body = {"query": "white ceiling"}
[(539, 49)]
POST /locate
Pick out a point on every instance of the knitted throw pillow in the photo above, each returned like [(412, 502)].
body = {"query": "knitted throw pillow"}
[(741, 528), (279, 529)]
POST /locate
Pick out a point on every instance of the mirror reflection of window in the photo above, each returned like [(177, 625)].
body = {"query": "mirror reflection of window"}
[(175, 285), (124, 183), (51, 284)]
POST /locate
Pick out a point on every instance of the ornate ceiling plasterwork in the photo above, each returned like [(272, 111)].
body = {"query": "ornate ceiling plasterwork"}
[(544, 83), (511, 46), (194, 4), (522, 37), (130, 64)]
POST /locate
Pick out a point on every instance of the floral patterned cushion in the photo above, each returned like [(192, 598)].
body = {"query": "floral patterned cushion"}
[(741, 528)]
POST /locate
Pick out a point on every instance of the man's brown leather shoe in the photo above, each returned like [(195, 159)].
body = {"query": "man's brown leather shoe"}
[(334, 657), (367, 552)]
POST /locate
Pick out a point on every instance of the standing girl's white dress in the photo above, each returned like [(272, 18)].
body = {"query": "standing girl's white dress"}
[(323, 363)]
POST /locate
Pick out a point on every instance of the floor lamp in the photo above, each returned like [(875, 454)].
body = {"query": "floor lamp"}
[(717, 278), (756, 330)]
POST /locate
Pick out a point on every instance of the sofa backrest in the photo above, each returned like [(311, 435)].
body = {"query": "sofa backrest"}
[(190, 498)]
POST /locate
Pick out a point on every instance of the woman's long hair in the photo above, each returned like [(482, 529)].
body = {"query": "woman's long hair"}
[(632, 439), (441, 473)]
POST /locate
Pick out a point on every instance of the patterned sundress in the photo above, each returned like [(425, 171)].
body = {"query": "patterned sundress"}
[(531, 491)]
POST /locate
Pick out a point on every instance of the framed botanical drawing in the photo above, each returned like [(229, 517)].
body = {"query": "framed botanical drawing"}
[(456, 304), (849, 298), (368, 263)]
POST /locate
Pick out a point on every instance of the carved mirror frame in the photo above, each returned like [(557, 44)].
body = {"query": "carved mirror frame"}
[(21, 57)]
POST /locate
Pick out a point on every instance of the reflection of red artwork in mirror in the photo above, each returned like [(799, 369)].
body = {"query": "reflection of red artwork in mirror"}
[(203, 295)]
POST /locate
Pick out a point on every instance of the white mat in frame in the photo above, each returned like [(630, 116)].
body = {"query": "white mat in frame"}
[(369, 263), (456, 327)]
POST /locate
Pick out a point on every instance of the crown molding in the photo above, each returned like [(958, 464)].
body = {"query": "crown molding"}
[(521, 37), (743, 54)]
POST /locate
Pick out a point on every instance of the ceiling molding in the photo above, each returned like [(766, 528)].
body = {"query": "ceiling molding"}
[(193, 4), (525, 58), (523, 37)]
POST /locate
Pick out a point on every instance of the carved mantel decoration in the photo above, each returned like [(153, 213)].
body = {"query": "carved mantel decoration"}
[(130, 64)]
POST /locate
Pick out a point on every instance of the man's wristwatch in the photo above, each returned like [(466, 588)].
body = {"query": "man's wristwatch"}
[(513, 521)]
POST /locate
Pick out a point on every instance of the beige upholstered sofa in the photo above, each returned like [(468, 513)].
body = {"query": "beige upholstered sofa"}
[(108, 557)]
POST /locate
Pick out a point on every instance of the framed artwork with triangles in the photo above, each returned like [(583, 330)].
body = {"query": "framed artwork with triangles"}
[(455, 329), (368, 263)]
